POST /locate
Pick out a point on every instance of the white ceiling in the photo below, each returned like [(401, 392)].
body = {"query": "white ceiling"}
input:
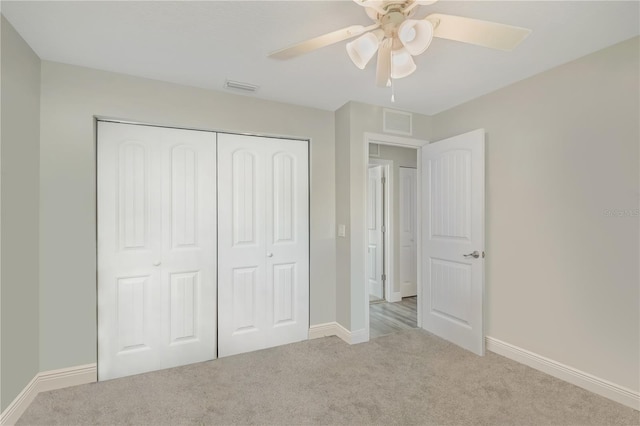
[(203, 43)]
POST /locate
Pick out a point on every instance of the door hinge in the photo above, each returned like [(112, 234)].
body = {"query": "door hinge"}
[(384, 180), (384, 277), (384, 228)]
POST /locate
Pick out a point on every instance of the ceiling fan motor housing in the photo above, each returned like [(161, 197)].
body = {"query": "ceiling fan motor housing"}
[(390, 23)]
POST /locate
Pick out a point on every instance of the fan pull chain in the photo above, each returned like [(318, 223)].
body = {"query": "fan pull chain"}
[(393, 91)]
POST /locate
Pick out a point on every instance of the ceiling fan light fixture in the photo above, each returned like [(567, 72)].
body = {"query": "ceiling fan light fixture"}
[(402, 64), (415, 35), (362, 49)]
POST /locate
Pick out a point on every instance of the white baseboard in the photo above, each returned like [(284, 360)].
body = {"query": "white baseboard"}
[(18, 406), (564, 372), (323, 330), (335, 329), (46, 381), (394, 297), (359, 336)]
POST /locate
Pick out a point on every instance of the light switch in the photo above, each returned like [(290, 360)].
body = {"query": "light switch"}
[(342, 231)]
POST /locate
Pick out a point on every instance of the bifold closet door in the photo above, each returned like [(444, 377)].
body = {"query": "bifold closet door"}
[(263, 243), (156, 248)]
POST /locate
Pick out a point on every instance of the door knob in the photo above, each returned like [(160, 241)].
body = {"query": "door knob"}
[(156, 263), (475, 254), (269, 254)]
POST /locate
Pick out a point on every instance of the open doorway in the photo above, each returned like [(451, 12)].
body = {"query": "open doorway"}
[(450, 226), (392, 238)]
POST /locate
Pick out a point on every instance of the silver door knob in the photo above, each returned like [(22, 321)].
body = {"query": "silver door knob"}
[(269, 254), (475, 254), (156, 263)]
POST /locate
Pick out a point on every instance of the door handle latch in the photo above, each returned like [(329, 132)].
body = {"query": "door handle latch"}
[(475, 254)]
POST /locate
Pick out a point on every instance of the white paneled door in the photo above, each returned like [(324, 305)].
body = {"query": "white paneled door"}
[(263, 243), (156, 248), (453, 239), (375, 237), (408, 232)]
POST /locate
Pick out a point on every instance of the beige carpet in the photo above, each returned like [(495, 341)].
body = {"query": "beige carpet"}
[(409, 377)]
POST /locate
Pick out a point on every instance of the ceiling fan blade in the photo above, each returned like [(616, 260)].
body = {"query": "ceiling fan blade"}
[(474, 31), (417, 3), (321, 41), (383, 69)]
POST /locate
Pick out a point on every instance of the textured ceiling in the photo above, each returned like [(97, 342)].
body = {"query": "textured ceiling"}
[(203, 43)]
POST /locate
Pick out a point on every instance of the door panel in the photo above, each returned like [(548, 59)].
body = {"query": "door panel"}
[(452, 229), (156, 248), (263, 241), (375, 223), (243, 301), (244, 198), (131, 312), (408, 232), (183, 196)]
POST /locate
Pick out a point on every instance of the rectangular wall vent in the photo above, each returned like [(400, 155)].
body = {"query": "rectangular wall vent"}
[(398, 122), (238, 85)]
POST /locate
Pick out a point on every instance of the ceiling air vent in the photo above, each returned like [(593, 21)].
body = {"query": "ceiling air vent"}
[(238, 85), (398, 122)]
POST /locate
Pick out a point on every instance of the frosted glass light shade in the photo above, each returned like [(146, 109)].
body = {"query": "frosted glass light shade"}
[(362, 49), (415, 35), (402, 64)]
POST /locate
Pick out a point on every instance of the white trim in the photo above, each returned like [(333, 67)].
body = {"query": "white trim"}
[(20, 404), (323, 330), (417, 144), (343, 333), (66, 377), (46, 381), (383, 139), (587, 381), (359, 336), (335, 329)]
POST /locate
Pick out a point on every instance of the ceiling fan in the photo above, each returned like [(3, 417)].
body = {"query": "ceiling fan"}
[(397, 37)]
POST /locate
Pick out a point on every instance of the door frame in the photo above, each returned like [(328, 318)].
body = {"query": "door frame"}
[(403, 142), (387, 165)]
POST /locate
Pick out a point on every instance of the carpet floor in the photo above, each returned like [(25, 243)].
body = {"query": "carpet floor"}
[(409, 377)]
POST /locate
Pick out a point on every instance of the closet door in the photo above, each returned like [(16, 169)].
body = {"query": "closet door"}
[(263, 243), (156, 248)]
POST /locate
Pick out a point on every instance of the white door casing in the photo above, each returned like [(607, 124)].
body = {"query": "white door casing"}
[(263, 231), (452, 237), (375, 223), (156, 248), (408, 232)]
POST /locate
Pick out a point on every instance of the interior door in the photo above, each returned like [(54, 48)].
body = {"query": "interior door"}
[(375, 223), (453, 239), (263, 229), (408, 232), (156, 248)]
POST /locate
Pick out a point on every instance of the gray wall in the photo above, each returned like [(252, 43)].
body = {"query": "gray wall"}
[(351, 171), (343, 195), (71, 96), (562, 149), (20, 134), (401, 157)]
